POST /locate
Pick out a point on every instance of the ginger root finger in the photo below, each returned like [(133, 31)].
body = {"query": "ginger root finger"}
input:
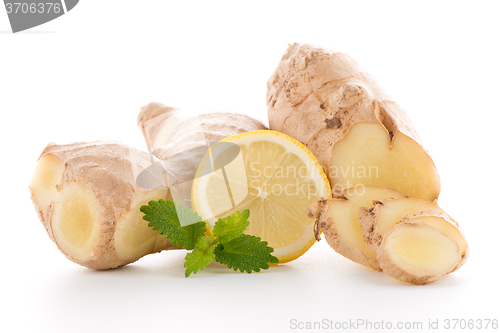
[(87, 199)]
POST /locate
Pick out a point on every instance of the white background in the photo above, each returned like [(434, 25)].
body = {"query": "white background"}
[(85, 76)]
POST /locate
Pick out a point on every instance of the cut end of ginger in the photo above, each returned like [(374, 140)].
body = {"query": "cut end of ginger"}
[(449, 227), (75, 221), (393, 211), (47, 175), (377, 221), (418, 253), (339, 221), (370, 155)]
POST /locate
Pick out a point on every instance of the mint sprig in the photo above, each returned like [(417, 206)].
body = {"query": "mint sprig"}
[(246, 253), (231, 247), (182, 226)]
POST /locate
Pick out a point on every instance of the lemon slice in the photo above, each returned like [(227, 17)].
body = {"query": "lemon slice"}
[(274, 176)]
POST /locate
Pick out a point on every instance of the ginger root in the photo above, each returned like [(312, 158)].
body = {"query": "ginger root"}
[(359, 135), (87, 199)]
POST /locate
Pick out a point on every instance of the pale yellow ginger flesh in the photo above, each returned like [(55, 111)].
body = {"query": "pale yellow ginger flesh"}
[(367, 156), (392, 212), (448, 227), (133, 238), (418, 253), (377, 221), (339, 221), (88, 201), (47, 175), (75, 220)]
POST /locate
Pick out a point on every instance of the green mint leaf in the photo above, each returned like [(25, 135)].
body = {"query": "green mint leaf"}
[(231, 227), (245, 253), (202, 255), (181, 225)]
